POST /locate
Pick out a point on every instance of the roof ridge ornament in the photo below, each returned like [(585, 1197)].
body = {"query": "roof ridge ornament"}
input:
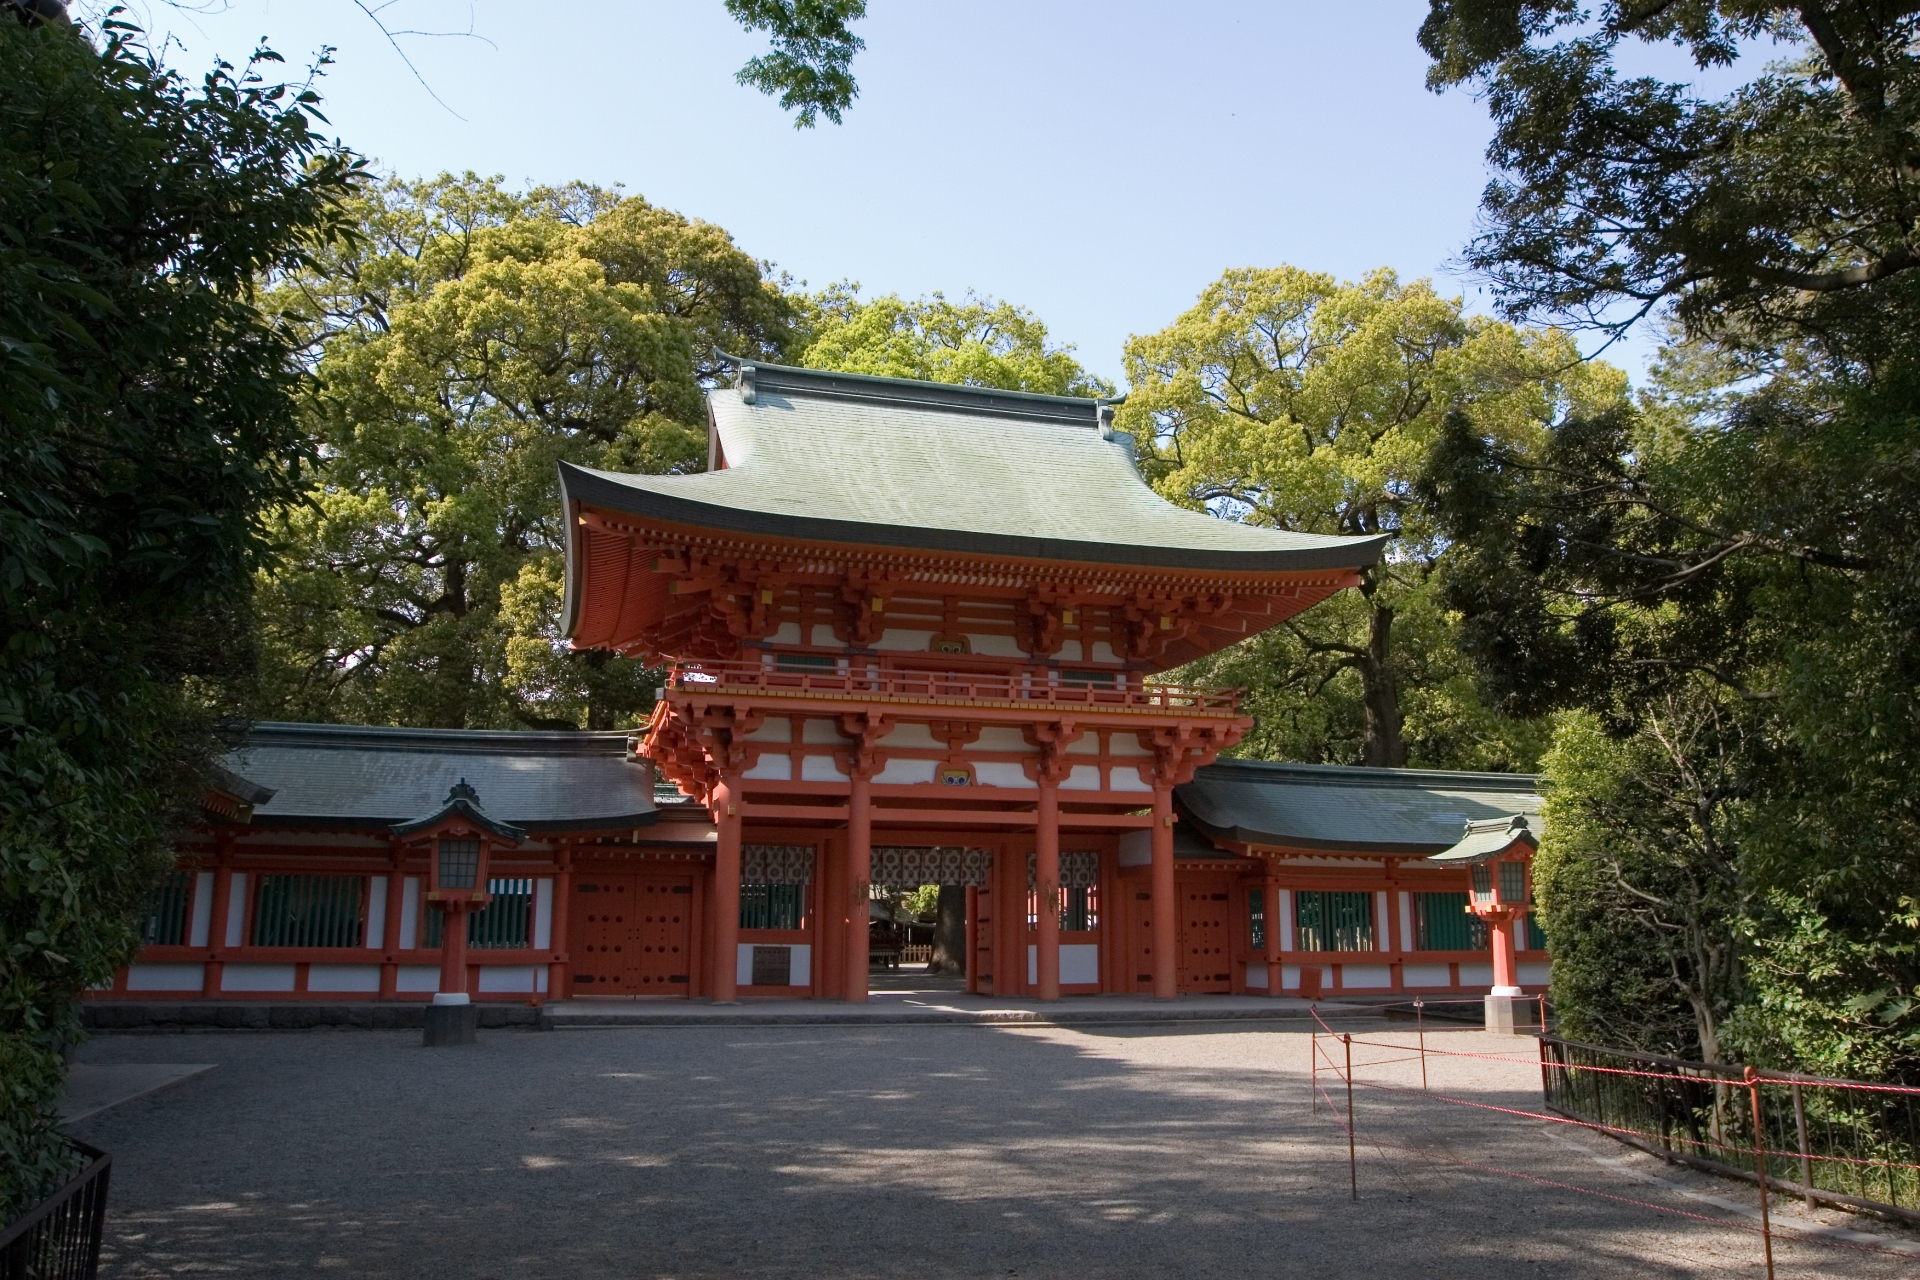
[(1492, 838)]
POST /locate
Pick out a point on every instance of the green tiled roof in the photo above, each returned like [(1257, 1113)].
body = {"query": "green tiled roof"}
[(1338, 808), (889, 462), (1489, 839), (353, 776)]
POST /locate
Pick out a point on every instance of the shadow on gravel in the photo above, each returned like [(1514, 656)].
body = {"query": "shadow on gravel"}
[(831, 1151)]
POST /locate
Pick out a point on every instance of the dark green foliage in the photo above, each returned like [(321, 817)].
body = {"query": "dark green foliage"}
[(812, 54), (1788, 200), (145, 422)]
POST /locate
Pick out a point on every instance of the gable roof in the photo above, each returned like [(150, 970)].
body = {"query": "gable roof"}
[(356, 776), (1343, 808), (842, 457)]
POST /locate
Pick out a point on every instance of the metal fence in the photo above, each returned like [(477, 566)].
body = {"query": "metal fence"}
[(1842, 1142), (60, 1239)]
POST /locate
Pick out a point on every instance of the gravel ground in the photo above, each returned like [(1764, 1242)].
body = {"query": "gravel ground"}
[(922, 1151)]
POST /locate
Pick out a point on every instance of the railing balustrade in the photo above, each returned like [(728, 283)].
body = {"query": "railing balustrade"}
[(59, 1239), (869, 679)]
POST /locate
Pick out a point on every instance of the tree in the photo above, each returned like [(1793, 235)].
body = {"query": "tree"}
[(146, 424), (1287, 399), (812, 53), (469, 340), (981, 342), (1784, 203)]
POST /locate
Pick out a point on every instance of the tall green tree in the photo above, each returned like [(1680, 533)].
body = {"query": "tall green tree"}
[(1289, 399), (980, 341), (809, 64), (466, 342), (1720, 582), (146, 425)]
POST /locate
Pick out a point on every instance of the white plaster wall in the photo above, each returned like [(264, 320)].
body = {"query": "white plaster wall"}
[(236, 908), (509, 978), (343, 977), (376, 912), (410, 915), (1257, 974), (903, 640), (995, 646), (777, 768), (543, 913), (900, 773), (1476, 975), (1001, 773), (1079, 963), (1406, 922), (1365, 977), (915, 736), (1286, 922), (257, 977), (1533, 973), (1382, 923), (773, 729), (1102, 652), (1126, 744), (166, 977), (202, 910), (820, 769), (1127, 778), (1289, 977), (1086, 746), (416, 978), (785, 633), (1085, 777), (1425, 975), (821, 733), (1001, 738), (823, 635)]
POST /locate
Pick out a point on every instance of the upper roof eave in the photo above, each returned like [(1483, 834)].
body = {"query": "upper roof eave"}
[(580, 484)]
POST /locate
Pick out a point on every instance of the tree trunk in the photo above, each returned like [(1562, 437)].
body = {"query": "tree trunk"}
[(1385, 747), (950, 932)]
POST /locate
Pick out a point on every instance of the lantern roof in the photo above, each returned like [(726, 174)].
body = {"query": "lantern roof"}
[(1344, 808), (463, 802), (890, 462), (1493, 838)]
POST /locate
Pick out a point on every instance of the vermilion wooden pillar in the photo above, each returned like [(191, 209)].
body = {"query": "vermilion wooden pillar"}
[(859, 876), (1270, 910), (726, 888), (973, 938), (562, 902), (1166, 905), (1046, 888), (217, 928)]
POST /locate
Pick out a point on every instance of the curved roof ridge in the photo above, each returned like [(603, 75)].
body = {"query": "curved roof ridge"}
[(1381, 776), (377, 737)]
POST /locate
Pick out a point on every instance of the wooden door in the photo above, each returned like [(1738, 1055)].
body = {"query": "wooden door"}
[(1205, 955), (632, 934)]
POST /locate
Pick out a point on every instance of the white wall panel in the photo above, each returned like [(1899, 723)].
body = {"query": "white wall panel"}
[(410, 913), (202, 919), (236, 909), (166, 977), (257, 977), (415, 978), (1001, 773), (543, 913), (376, 912), (364, 978), (1085, 777), (771, 767)]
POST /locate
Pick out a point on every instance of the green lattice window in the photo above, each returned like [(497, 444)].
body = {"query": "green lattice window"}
[(308, 911), (1536, 939), (772, 906), (1441, 922), (1257, 919), (506, 923), (1333, 921), (165, 924)]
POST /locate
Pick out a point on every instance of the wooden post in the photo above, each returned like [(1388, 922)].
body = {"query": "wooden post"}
[(726, 888), (217, 927), (1760, 1169), (1166, 902), (1046, 889), (453, 954), (1270, 912), (973, 939), (558, 967), (1353, 1163), (859, 878), (1806, 1155), (390, 938)]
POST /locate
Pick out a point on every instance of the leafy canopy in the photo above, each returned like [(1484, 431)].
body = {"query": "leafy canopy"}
[(810, 65), (979, 342), (146, 424), (1289, 399), (466, 343)]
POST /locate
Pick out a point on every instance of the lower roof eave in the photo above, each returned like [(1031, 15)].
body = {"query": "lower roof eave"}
[(322, 822)]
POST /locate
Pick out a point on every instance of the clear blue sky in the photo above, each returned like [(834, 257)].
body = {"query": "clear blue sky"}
[(1096, 162)]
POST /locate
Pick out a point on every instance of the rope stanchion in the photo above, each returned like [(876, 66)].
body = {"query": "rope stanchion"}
[(1353, 1163), (1760, 1168)]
